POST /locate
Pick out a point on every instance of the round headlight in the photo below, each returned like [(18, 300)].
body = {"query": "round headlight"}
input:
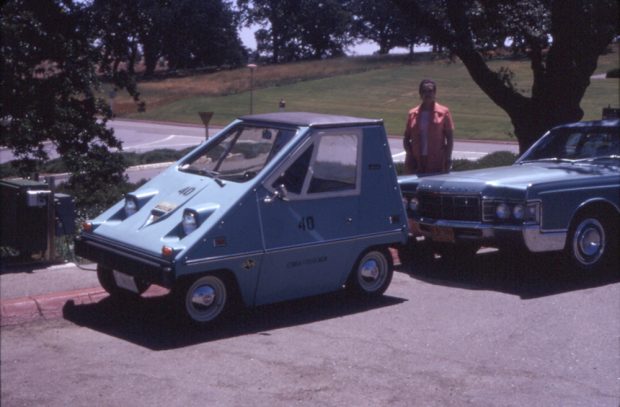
[(502, 211), (518, 211), (131, 206), (190, 223), (413, 204)]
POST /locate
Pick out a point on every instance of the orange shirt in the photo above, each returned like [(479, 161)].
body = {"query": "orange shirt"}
[(439, 127)]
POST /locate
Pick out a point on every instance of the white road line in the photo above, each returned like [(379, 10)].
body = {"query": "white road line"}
[(167, 140)]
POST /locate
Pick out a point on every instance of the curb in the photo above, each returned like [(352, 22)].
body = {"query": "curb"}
[(17, 311)]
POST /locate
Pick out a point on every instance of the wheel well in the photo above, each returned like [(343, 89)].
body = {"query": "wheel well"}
[(598, 207)]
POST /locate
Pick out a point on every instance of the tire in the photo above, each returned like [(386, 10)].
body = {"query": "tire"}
[(372, 274), (203, 300), (106, 279), (592, 241)]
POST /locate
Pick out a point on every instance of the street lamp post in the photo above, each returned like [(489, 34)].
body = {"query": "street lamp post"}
[(252, 68)]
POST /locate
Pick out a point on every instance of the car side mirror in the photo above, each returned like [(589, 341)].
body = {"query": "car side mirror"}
[(280, 193)]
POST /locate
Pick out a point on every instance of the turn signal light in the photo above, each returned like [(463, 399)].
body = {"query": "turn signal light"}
[(87, 227), (167, 251)]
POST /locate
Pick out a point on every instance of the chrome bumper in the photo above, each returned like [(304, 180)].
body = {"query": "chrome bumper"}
[(535, 239)]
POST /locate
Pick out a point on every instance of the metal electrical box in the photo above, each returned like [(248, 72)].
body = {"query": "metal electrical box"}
[(64, 206), (23, 221)]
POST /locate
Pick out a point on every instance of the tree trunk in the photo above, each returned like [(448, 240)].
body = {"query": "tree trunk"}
[(580, 34)]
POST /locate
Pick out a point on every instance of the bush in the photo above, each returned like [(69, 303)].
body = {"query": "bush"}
[(495, 159)]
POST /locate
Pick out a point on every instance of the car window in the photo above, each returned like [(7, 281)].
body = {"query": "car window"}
[(335, 165), (293, 177), (576, 144), (328, 166), (240, 154)]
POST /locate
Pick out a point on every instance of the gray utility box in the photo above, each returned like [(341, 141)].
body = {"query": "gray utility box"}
[(24, 215)]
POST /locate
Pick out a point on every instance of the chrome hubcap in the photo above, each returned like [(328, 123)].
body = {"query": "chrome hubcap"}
[(370, 270), (206, 299), (589, 241), (203, 296)]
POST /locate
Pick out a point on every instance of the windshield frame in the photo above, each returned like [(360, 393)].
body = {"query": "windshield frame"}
[(240, 152)]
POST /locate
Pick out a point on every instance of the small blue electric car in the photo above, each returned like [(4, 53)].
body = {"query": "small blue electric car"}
[(274, 207)]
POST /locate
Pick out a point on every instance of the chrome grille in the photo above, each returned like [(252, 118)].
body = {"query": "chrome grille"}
[(449, 207)]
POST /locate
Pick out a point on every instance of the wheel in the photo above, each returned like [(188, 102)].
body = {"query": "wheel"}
[(203, 300), (591, 241), (372, 273), (106, 279)]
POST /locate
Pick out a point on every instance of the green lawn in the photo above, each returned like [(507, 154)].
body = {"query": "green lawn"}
[(386, 92)]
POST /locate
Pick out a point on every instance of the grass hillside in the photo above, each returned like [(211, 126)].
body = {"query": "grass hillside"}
[(383, 87)]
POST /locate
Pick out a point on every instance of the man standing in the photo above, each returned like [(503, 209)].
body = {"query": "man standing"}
[(428, 138)]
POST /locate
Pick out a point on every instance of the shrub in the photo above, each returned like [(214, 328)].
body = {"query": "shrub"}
[(495, 159)]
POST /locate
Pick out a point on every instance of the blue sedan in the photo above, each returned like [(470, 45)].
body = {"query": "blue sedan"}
[(563, 194)]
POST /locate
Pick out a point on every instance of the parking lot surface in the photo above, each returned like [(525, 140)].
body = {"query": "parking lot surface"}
[(494, 332)]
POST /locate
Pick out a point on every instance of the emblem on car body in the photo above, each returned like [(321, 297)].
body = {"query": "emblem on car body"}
[(249, 264)]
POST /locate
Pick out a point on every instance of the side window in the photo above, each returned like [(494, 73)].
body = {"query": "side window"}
[(335, 165), (294, 176)]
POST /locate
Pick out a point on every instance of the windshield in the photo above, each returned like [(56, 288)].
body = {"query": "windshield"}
[(240, 154), (577, 144)]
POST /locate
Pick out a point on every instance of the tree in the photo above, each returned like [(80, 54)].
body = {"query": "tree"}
[(299, 29), (382, 22), (206, 37), (50, 87), (561, 38)]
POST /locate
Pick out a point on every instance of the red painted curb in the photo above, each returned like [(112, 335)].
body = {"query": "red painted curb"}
[(17, 311)]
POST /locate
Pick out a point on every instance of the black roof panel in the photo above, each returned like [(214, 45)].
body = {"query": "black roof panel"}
[(309, 119)]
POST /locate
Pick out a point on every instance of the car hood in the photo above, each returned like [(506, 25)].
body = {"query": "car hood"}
[(518, 176), (158, 221)]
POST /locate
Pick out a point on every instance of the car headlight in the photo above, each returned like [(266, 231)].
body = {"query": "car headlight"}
[(190, 222), (518, 211), (413, 204), (136, 200), (502, 211), (131, 206)]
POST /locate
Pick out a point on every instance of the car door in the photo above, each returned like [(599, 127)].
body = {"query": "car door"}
[(309, 210)]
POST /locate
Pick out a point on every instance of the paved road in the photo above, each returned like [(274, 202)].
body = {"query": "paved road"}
[(494, 332), (144, 136), (139, 137)]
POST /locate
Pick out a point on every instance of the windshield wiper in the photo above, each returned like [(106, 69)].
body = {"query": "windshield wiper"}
[(552, 159), (203, 171), (213, 174)]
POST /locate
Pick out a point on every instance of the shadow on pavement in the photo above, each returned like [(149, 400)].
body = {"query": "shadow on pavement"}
[(152, 322), (524, 274)]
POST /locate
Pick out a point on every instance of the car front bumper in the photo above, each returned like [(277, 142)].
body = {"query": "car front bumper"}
[(534, 239), (110, 254)]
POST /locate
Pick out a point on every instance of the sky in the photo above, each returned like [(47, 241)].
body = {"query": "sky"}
[(247, 37)]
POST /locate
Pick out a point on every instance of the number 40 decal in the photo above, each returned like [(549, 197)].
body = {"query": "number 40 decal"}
[(306, 223), (186, 191)]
